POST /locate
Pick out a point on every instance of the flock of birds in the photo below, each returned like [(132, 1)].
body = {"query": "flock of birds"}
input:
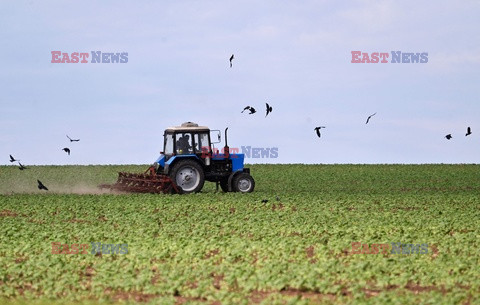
[(40, 185), (317, 129), (252, 110), (269, 108)]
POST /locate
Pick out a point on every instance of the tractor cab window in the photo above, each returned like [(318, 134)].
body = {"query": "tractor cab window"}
[(201, 143), (184, 143), (168, 148)]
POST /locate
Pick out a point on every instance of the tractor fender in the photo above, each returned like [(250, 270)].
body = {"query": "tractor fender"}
[(171, 162)]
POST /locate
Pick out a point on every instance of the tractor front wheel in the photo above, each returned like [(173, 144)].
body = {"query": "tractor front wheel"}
[(188, 175), (243, 183)]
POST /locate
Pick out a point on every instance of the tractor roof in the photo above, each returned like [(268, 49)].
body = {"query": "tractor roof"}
[(188, 126)]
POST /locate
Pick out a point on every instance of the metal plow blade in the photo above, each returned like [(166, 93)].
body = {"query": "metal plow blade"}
[(143, 183)]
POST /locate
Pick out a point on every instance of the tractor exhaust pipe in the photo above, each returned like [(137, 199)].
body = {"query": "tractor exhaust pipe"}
[(226, 149)]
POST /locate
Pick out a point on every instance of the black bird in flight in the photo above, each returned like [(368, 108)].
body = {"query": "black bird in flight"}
[(73, 140), (469, 131), (448, 136), (252, 110), (12, 159), (317, 129), (21, 167), (368, 119), (67, 150), (231, 58), (269, 109), (246, 108), (41, 186)]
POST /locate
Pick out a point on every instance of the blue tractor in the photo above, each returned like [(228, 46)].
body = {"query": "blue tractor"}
[(186, 162)]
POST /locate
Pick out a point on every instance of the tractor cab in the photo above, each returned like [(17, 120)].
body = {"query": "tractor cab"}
[(186, 140)]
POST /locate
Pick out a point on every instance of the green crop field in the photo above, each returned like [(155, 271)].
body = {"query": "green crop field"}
[(230, 248)]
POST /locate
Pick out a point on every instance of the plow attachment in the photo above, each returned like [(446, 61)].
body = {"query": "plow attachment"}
[(148, 182)]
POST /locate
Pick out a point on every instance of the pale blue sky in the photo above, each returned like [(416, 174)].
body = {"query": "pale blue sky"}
[(293, 54)]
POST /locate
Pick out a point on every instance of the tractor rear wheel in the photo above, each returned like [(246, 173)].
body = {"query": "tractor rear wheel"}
[(243, 183), (188, 175)]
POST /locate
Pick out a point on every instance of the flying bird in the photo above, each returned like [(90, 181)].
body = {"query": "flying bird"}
[(21, 167), (231, 58), (448, 136), (368, 119), (73, 140), (41, 186), (67, 150), (246, 108), (269, 109), (252, 110), (12, 159), (469, 131), (317, 129)]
